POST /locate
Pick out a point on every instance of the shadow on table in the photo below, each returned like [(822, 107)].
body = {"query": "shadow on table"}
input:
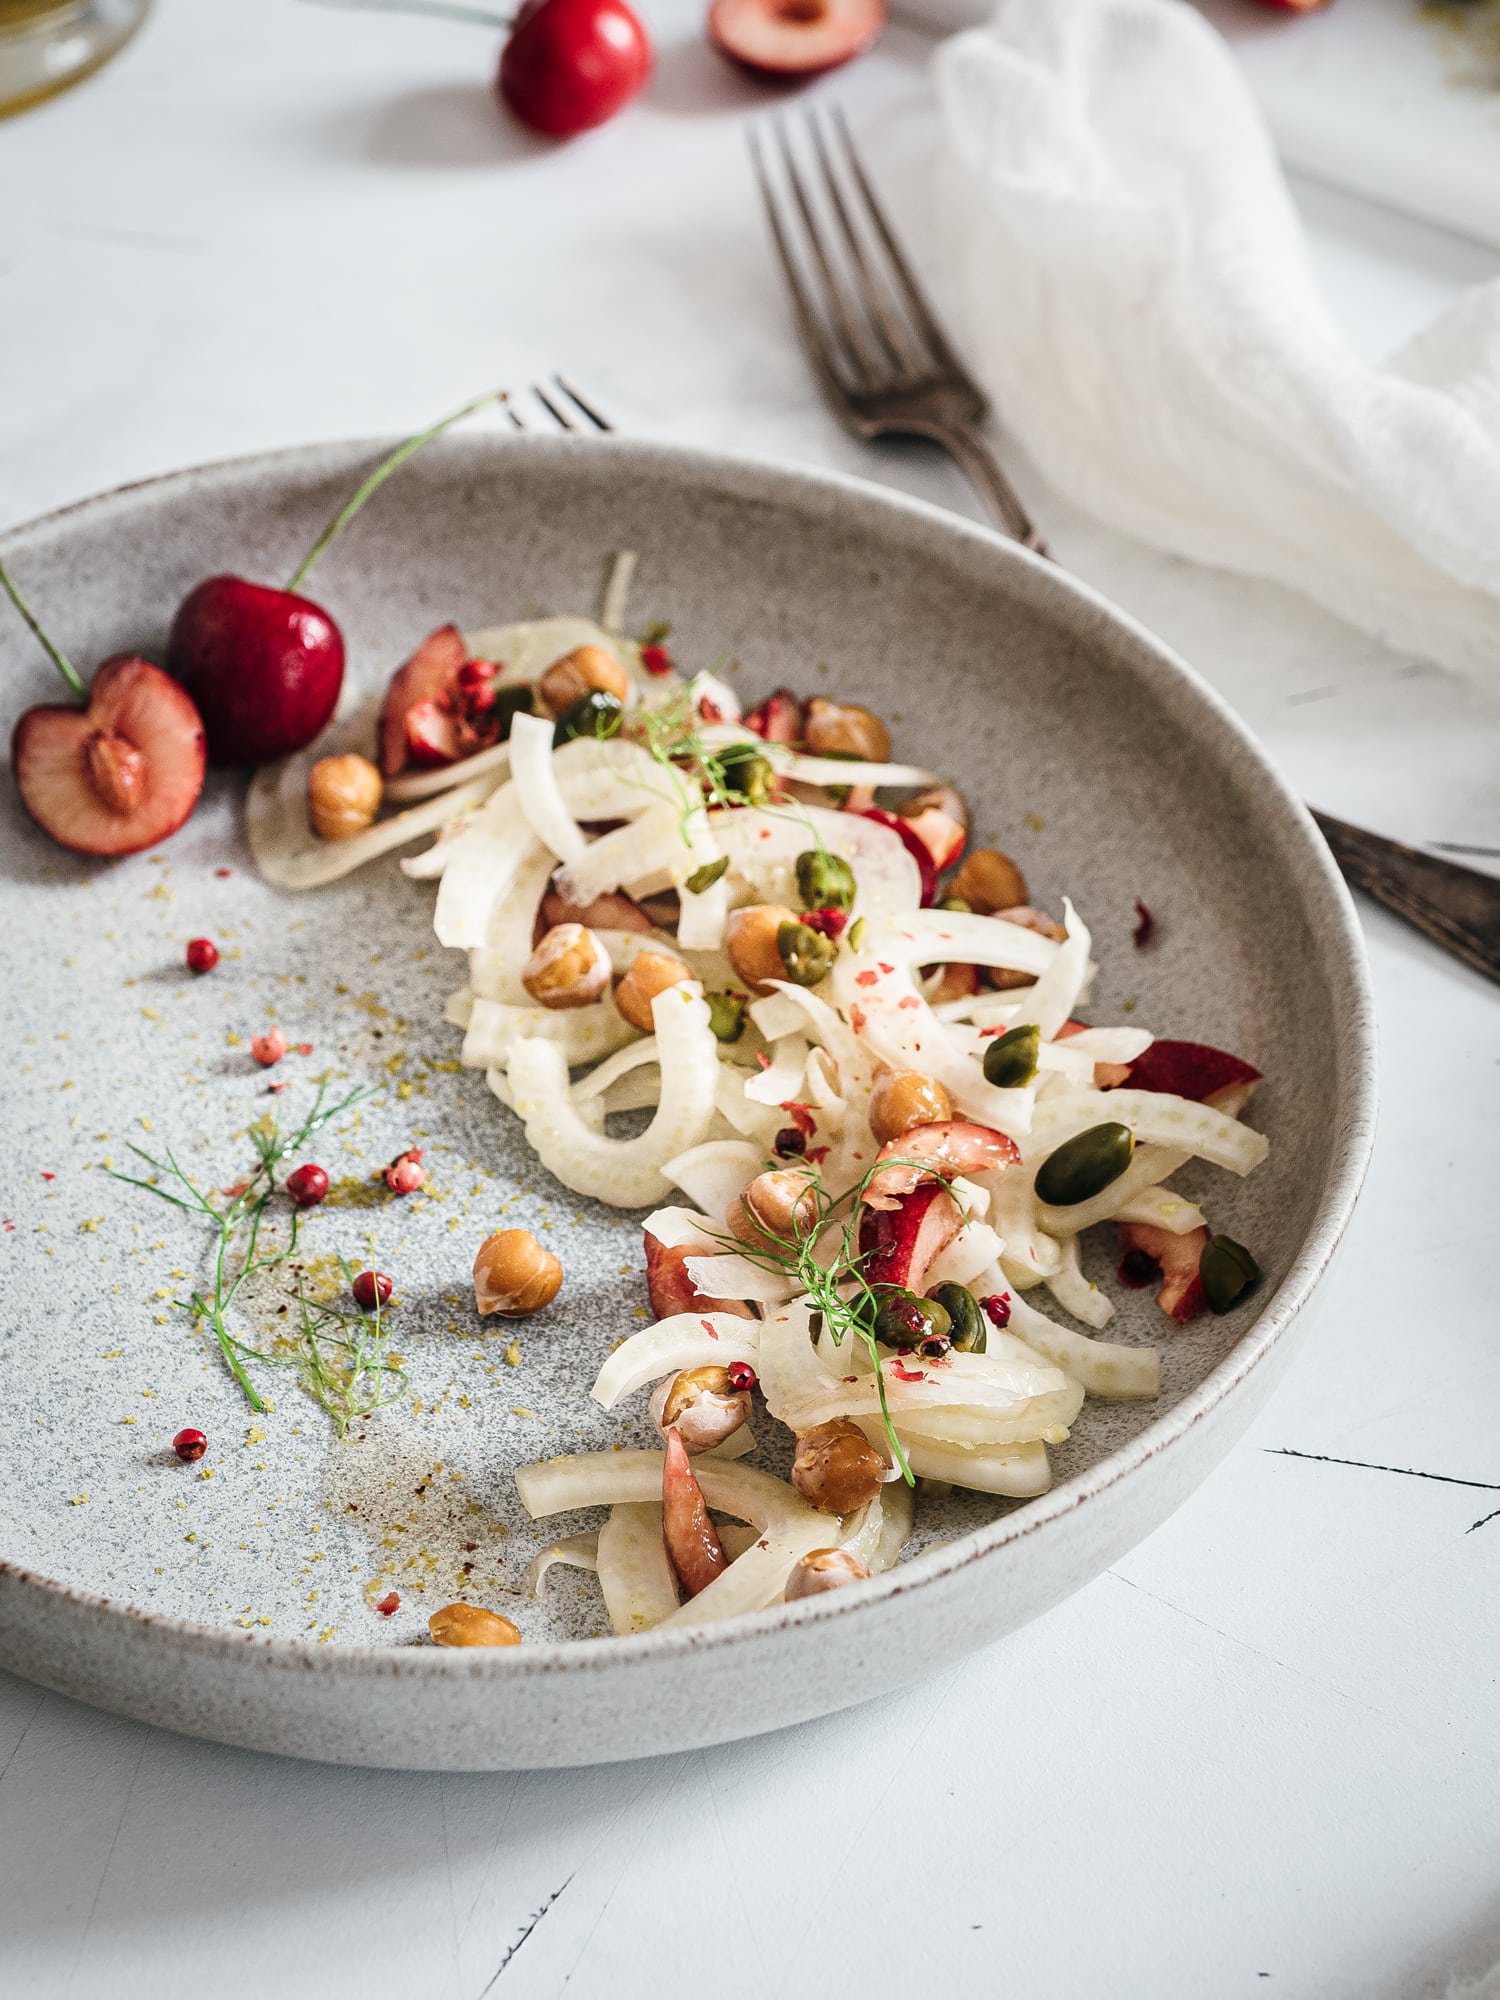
[(436, 126)]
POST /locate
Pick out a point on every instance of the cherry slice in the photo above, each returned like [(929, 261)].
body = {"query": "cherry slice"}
[(781, 40)]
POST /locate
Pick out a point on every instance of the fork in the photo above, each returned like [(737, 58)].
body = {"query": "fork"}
[(888, 368), (554, 400)]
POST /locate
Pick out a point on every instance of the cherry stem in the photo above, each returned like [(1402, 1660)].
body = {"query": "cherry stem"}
[(55, 654), (444, 11), (357, 500)]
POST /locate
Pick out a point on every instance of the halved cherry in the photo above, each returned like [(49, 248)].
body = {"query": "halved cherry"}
[(119, 773), (784, 39), (423, 683), (778, 719), (672, 1290), (1142, 1244), (897, 1244), (915, 846), (1196, 1070)]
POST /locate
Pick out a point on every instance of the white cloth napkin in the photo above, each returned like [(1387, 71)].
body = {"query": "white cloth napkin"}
[(1135, 292)]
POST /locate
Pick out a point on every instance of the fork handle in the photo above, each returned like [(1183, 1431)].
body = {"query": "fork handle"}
[(1458, 908), (985, 474)]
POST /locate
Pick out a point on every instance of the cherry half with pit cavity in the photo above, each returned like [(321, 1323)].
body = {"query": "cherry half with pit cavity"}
[(119, 769), (782, 41), (266, 666)]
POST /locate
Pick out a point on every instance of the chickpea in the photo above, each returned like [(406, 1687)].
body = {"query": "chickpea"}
[(837, 1468), (586, 670), (833, 725), (1031, 920), (343, 796), (471, 1625), (651, 973), (700, 1402), (824, 1569), (750, 939), (903, 1098), (514, 1275), (989, 881), (778, 1205), (569, 968)]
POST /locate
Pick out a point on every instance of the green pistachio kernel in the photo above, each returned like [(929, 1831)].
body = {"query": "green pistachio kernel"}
[(726, 1015), (805, 953), (967, 1323), (824, 881), (1227, 1272), (706, 876), (1010, 1061), (507, 705), (598, 714), (904, 1319), (1085, 1165), (746, 773), (957, 905), (857, 934)]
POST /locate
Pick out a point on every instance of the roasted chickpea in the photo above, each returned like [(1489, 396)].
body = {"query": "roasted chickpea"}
[(343, 796), (848, 727), (778, 1205), (1030, 920), (700, 1402), (471, 1625), (650, 973), (903, 1098), (569, 968), (824, 1569), (750, 939), (989, 881), (514, 1275), (586, 670), (837, 1468)]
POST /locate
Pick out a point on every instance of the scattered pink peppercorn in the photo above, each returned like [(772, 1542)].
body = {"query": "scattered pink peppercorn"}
[(371, 1288), (405, 1174), (190, 1446), (789, 1143), (389, 1603), (996, 1309), (269, 1048), (741, 1376), (223, 873), (827, 923), (307, 1185), (202, 954), (656, 659)]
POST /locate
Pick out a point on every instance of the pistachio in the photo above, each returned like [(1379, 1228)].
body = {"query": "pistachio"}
[(746, 772), (507, 705), (1227, 1272), (1010, 1061), (1084, 1166), (905, 1320), (824, 881), (806, 955), (726, 1015), (966, 1323), (957, 905), (597, 713), (706, 876)]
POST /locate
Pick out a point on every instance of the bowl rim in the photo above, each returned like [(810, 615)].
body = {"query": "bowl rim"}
[(1329, 906)]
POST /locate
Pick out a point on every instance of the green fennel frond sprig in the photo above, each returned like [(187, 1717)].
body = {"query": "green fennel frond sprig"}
[(339, 1356), (237, 1256)]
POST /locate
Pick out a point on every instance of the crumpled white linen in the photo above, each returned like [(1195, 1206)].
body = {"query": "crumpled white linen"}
[(1134, 291)]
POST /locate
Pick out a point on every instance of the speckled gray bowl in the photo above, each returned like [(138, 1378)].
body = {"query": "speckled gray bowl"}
[(239, 1605)]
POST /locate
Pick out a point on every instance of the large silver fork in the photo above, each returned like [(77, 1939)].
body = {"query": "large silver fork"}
[(555, 400), (878, 347)]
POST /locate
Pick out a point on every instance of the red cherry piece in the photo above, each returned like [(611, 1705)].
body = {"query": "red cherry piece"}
[(778, 719), (202, 954), (1194, 1069), (571, 64), (307, 1185), (406, 1174), (827, 923), (264, 666), (915, 846), (371, 1288), (672, 1290), (782, 39), (190, 1446), (741, 1376), (391, 1602), (897, 1244), (429, 679), (656, 660), (119, 775), (269, 1048)]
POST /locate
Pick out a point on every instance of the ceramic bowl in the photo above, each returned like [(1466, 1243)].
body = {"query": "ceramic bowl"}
[(241, 1607)]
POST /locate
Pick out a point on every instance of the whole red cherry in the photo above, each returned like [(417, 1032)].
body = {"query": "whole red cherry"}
[(572, 64)]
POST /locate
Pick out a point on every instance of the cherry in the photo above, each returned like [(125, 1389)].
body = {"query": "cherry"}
[(190, 1446), (307, 1185), (571, 64), (370, 1288), (202, 954), (121, 771), (266, 666), (780, 40)]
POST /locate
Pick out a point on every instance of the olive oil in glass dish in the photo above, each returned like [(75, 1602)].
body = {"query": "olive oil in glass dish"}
[(45, 45)]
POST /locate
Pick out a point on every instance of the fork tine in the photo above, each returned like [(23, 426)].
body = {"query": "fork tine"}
[(895, 337), (517, 421), (916, 299), (599, 422), (815, 338), (560, 417), (856, 339)]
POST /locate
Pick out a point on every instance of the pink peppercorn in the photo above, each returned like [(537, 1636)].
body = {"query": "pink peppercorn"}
[(202, 954)]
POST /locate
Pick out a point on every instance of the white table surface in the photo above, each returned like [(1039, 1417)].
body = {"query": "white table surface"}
[(1257, 1757)]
